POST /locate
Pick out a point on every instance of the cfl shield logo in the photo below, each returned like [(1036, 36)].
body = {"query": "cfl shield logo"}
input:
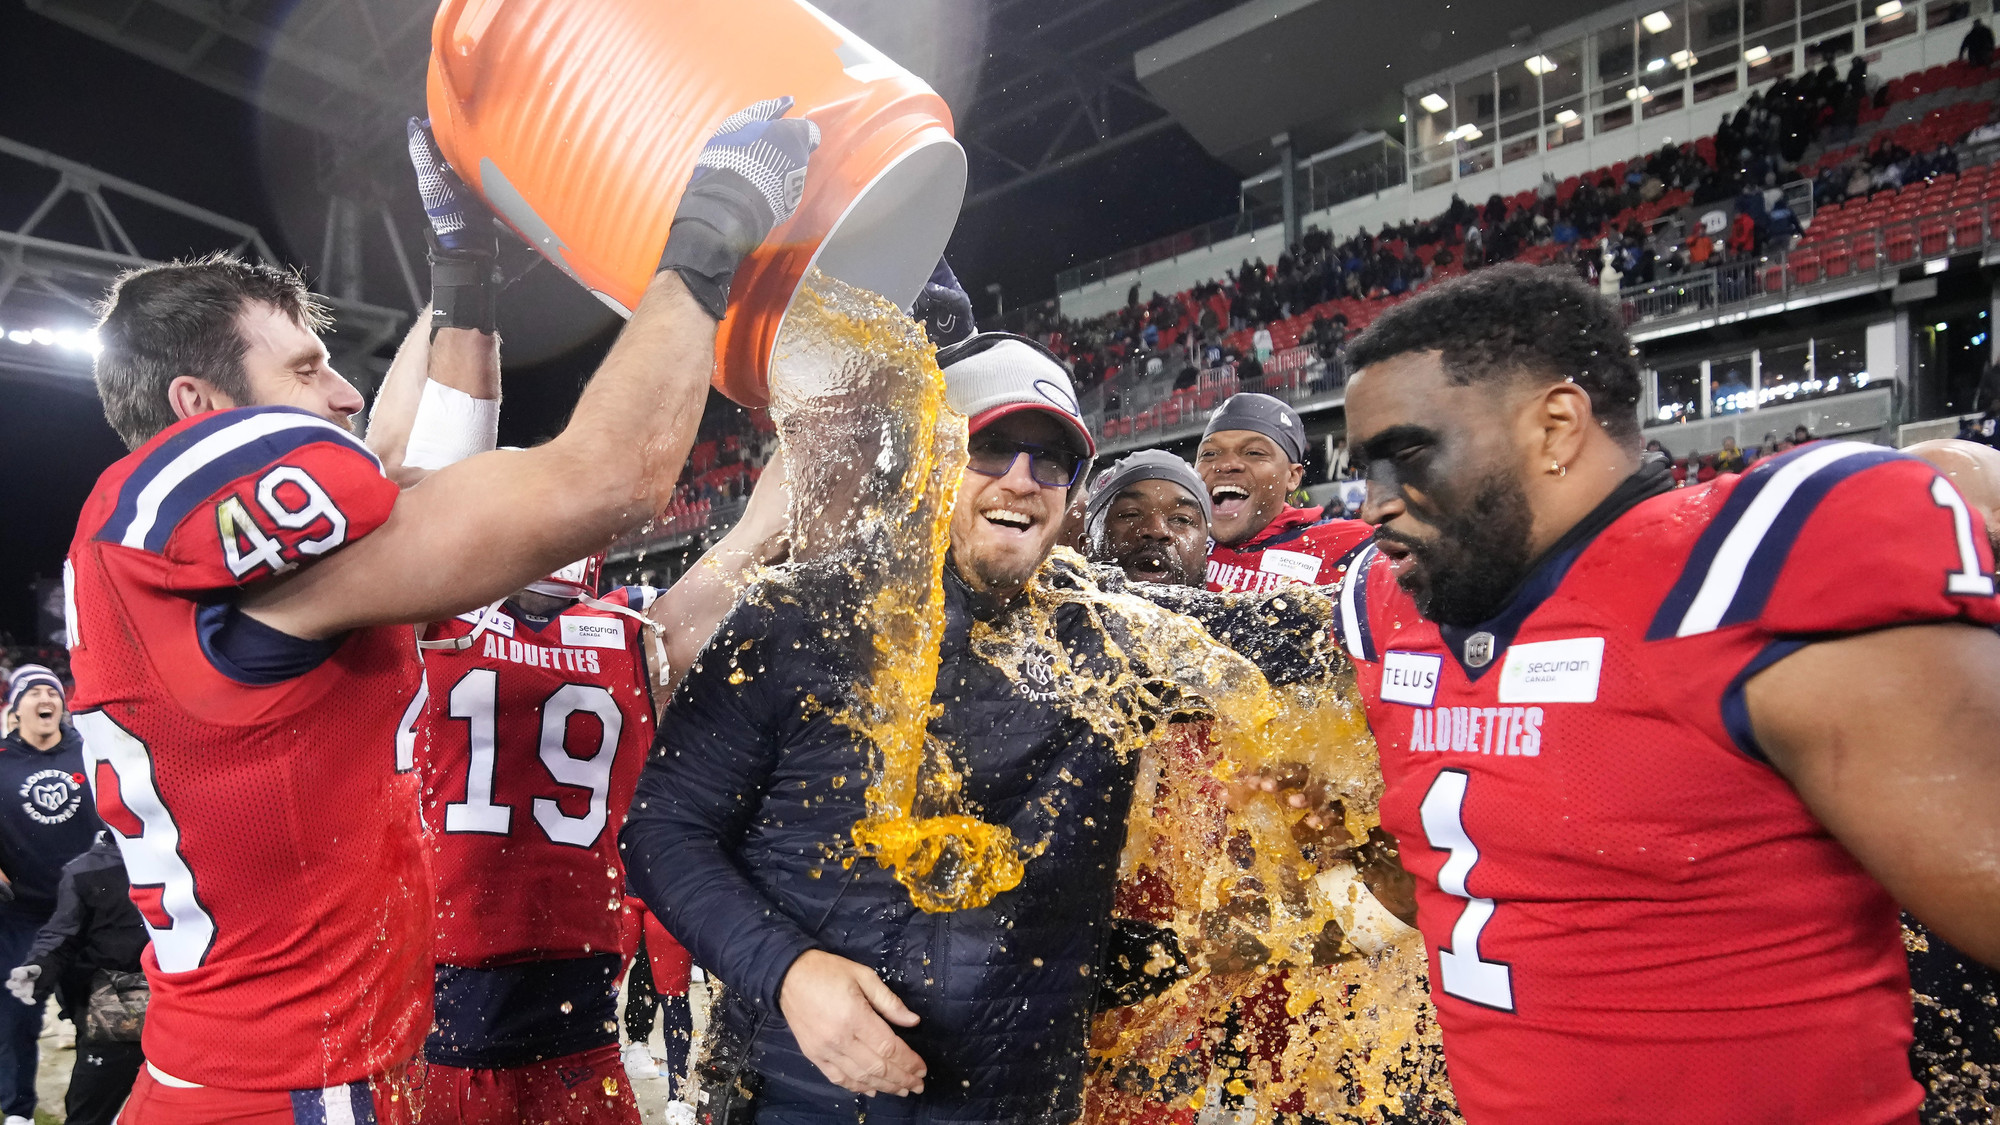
[(795, 188), (52, 796)]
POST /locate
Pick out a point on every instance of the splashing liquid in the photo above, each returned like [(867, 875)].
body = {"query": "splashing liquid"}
[(853, 374), (876, 458)]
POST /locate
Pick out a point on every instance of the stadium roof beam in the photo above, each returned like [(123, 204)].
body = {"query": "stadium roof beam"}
[(1024, 117), (49, 280), (315, 63)]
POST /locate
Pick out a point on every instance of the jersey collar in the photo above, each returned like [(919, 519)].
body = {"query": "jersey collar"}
[(1479, 648), (1287, 524)]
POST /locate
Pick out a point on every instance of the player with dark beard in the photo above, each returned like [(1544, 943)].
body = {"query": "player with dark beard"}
[(1651, 753)]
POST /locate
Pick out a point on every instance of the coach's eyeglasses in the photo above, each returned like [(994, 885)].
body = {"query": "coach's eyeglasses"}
[(994, 456)]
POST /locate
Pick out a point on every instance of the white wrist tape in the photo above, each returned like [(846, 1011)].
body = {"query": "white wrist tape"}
[(1366, 923), (450, 426)]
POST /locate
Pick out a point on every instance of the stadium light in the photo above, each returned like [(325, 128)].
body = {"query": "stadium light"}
[(1657, 22), (1889, 9), (1682, 59), (1757, 54), (1656, 66), (1635, 93), (1433, 103), (1565, 116), (66, 338), (1541, 64)]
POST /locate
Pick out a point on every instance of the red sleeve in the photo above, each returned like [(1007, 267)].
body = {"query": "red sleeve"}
[(1836, 537), (240, 495)]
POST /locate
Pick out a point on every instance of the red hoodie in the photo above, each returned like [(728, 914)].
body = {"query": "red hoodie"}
[(1297, 547)]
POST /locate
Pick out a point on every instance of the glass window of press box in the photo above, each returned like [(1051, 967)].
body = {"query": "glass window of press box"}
[(1743, 381), (1640, 62)]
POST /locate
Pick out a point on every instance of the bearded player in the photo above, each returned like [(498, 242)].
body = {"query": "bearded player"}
[(1252, 458), (1663, 762), (238, 586)]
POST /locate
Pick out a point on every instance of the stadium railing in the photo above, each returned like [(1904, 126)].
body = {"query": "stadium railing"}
[(1872, 255)]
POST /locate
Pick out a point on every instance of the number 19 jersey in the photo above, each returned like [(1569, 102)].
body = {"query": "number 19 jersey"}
[(273, 850), (1632, 917), (528, 744)]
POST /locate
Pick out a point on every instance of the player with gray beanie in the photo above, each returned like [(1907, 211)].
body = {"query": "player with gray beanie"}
[(1252, 458), (1148, 515)]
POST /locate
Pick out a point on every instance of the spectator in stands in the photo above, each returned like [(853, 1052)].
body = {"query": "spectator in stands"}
[(1801, 435), (1148, 515), (52, 822), (1977, 46), (87, 955), (1731, 459)]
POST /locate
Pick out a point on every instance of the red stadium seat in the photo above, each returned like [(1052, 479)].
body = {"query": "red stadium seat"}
[(1968, 228), (1900, 242), (1934, 235)]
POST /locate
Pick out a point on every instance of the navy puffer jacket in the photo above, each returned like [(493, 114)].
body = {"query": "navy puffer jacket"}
[(741, 821)]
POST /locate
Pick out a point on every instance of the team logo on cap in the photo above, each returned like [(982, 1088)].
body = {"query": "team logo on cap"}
[(1060, 395)]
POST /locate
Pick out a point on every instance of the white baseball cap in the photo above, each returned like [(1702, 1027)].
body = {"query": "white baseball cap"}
[(990, 375)]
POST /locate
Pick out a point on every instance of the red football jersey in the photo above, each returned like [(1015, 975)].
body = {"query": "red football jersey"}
[(528, 746), (1631, 916), (1297, 547), (272, 848)]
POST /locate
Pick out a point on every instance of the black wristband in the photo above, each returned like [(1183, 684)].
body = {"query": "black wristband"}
[(465, 293), (714, 229)]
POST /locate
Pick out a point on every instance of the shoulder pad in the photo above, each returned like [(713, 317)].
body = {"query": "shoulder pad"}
[(1832, 538)]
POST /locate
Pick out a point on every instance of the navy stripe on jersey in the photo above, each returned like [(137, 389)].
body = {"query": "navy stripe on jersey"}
[(1730, 574), (189, 467), (1352, 618), (351, 1104), (1736, 712)]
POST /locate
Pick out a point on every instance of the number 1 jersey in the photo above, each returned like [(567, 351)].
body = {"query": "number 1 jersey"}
[(1632, 917), (272, 848), (528, 744)]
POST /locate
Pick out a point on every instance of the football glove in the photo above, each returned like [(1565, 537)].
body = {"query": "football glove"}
[(748, 179), (943, 308), (21, 982), (464, 240)]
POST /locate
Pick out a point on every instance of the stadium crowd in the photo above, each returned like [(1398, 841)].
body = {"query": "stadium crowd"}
[(1680, 210), (548, 796)]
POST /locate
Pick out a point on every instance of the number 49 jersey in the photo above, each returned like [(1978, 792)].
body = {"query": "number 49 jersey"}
[(1631, 915), (528, 744), (273, 851)]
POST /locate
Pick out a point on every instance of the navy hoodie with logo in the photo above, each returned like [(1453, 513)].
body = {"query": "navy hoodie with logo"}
[(47, 818)]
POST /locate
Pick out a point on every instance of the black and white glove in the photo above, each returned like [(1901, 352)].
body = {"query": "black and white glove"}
[(466, 280), (943, 308), (21, 983), (748, 179)]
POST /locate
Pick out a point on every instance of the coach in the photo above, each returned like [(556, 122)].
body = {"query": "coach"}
[(736, 833)]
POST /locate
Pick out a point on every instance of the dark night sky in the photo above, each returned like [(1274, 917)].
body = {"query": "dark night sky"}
[(85, 100)]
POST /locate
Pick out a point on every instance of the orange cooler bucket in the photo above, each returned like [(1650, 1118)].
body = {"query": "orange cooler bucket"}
[(579, 122)]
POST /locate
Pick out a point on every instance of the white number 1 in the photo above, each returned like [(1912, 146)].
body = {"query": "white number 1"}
[(1968, 578), (1487, 983)]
